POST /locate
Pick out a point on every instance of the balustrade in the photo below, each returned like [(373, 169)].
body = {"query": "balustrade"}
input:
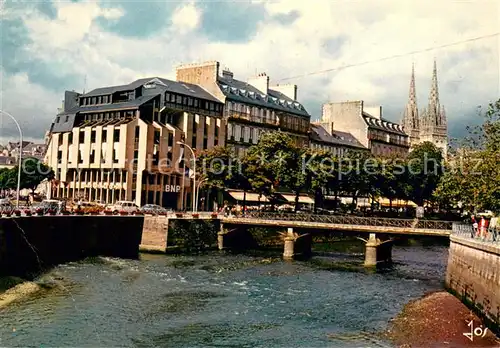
[(354, 220)]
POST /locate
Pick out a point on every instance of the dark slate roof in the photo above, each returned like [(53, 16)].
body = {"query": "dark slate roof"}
[(319, 134), (383, 124), (131, 104), (243, 92), (165, 84)]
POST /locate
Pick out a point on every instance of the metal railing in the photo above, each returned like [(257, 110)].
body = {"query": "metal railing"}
[(353, 220), (490, 234)]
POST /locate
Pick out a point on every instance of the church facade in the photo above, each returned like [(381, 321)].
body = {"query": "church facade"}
[(429, 124)]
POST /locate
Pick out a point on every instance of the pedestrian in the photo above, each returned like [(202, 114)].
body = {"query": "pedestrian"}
[(475, 230)]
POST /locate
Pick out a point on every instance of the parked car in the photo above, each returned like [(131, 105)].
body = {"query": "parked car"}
[(154, 209), (6, 206), (127, 206), (51, 205)]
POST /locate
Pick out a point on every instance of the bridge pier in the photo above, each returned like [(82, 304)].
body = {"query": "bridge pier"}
[(377, 251), (295, 245)]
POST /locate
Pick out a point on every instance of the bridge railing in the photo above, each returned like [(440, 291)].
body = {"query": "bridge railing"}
[(490, 234), (353, 220)]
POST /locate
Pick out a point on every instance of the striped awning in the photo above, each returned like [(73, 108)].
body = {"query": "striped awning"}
[(302, 199), (250, 196)]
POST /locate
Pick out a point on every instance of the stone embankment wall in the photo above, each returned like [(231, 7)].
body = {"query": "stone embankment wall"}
[(29, 245), (155, 232), (161, 233), (473, 275)]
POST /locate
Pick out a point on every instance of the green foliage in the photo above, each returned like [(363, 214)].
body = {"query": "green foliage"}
[(192, 235), (277, 163), (425, 168), (473, 178), (33, 172)]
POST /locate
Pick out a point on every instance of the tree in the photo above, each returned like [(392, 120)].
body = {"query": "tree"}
[(278, 155), (320, 170), (473, 178), (33, 172), (217, 166), (425, 168), (258, 176)]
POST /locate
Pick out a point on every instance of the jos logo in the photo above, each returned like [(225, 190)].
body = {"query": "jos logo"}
[(475, 332)]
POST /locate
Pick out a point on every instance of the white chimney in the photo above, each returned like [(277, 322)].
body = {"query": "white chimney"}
[(261, 82), (375, 111), (227, 74), (288, 89)]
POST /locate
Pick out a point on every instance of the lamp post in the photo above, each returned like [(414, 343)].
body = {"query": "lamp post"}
[(198, 191), (20, 155), (194, 176)]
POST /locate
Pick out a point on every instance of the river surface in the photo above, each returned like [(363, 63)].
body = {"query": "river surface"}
[(216, 300)]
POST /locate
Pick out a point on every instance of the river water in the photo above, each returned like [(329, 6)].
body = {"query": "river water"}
[(222, 300)]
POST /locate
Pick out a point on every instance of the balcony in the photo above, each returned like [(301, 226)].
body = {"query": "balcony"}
[(250, 118), (388, 140)]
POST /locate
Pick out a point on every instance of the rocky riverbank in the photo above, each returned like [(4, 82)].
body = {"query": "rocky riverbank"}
[(438, 320)]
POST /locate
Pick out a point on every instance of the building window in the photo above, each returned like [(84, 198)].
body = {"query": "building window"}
[(115, 156), (92, 156), (116, 136), (81, 138), (193, 144), (94, 100), (157, 137), (190, 101), (92, 136), (179, 99), (205, 143), (70, 138), (170, 139), (167, 97), (196, 103), (59, 156), (184, 100), (104, 135), (67, 119), (57, 119)]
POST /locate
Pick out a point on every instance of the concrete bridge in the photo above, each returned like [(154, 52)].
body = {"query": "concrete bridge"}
[(378, 244)]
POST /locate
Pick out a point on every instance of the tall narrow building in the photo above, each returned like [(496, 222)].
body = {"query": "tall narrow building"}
[(411, 121), (432, 124)]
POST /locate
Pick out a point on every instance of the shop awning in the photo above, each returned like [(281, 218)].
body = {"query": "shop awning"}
[(250, 196), (302, 199), (385, 202)]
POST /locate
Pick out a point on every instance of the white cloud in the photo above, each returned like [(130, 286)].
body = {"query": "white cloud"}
[(186, 18), (369, 31)]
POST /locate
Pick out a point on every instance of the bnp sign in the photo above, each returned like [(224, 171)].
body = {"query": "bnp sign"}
[(172, 188)]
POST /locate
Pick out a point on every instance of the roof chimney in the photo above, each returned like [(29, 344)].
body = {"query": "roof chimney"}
[(289, 90), (227, 74), (261, 82)]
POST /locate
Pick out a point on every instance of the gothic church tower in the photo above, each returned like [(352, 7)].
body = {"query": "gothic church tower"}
[(411, 121), (432, 124)]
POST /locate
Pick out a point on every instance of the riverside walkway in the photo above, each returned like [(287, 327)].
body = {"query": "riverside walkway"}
[(343, 223)]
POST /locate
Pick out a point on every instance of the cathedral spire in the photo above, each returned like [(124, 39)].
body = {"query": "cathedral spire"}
[(410, 121), (434, 108)]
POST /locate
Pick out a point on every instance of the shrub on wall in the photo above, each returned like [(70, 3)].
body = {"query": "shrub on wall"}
[(193, 235)]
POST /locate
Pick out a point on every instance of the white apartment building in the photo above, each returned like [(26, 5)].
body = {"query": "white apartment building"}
[(120, 143), (337, 142), (252, 107), (381, 136)]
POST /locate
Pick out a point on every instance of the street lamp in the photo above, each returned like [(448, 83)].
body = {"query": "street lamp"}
[(194, 176), (198, 191), (20, 154)]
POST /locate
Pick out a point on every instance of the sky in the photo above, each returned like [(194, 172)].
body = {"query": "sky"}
[(48, 47)]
